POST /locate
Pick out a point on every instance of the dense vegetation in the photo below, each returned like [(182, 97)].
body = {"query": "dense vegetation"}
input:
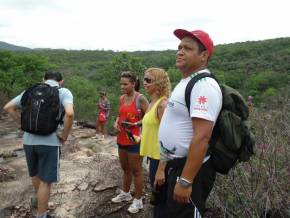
[(260, 69), (260, 188)]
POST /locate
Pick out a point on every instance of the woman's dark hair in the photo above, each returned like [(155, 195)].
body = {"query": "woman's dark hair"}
[(133, 78), (54, 75)]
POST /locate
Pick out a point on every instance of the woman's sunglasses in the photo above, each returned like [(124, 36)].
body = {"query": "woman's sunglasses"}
[(147, 80)]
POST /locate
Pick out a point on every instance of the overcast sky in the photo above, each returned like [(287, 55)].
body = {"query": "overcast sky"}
[(131, 25)]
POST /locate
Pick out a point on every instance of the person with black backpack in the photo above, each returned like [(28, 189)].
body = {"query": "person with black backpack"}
[(184, 134), (42, 106)]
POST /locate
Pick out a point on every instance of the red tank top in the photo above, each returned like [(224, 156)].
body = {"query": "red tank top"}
[(128, 113)]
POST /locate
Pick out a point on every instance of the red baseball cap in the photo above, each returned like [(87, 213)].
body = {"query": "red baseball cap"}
[(200, 35)]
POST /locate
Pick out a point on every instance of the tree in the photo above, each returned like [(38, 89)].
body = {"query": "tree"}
[(125, 62), (18, 71)]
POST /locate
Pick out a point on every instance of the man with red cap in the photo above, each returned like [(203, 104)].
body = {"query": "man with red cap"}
[(185, 167)]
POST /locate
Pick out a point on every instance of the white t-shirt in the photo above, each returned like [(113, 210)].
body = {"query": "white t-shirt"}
[(175, 131)]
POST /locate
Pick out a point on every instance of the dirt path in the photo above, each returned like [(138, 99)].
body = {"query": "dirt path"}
[(90, 176)]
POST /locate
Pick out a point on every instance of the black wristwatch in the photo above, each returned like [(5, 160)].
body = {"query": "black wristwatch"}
[(183, 182)]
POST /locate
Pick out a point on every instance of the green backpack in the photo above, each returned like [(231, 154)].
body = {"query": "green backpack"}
[(232, 140)]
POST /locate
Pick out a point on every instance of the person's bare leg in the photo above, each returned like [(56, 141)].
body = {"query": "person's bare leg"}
[(102, 130), (35, 183), (33, 201), (97, 126), (43, 195), (135, 162), (127, 177)]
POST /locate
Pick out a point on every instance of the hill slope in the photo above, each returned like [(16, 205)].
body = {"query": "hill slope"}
[(11, 47)]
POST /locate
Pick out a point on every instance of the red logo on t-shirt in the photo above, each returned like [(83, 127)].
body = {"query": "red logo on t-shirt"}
[(202, 100)]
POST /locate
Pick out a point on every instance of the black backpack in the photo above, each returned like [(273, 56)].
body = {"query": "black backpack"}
[(232, 140), (41, 110)]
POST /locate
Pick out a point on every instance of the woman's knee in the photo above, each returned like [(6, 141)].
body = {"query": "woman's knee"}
[(127, 171), (137, 171), (125, 167)]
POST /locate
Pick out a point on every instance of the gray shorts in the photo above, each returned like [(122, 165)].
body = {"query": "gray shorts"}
[(43, 162)]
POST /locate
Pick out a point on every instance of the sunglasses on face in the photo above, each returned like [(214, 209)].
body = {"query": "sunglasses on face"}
[(147, 80)]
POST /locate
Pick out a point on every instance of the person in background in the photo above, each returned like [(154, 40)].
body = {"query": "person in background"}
[(103, 106), (157, 85), (184, 134), (132, 107), (42, 151)]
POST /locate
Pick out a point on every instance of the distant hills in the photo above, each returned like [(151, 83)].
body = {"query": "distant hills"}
[(11, 47), (260, 69)]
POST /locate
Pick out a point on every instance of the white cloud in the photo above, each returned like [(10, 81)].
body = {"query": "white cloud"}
[(137, 25)]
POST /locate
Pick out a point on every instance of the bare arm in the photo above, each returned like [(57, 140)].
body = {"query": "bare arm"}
[(117, 126), (144, 104), (68, 121), (160, 173), (10, 108), (160, 108), (108, 108), (100, 105)]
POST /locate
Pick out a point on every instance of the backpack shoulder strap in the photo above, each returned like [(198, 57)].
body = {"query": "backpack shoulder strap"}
[(37, 85), (26, 94), (191, 84)]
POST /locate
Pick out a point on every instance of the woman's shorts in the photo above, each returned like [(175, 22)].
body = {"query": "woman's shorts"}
[(134, 149)]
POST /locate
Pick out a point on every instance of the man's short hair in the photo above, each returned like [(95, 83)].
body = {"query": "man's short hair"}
[(54, 75), (201, 47)]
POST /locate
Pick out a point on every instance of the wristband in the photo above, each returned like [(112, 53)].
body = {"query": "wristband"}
[(183, 182)]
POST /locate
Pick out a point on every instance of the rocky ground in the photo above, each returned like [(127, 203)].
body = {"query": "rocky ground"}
[(90, 176)]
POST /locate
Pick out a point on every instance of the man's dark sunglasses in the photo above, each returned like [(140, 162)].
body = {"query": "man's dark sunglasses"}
[(147, 80)]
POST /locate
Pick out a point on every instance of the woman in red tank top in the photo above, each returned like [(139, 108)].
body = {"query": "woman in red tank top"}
[(132, 107)]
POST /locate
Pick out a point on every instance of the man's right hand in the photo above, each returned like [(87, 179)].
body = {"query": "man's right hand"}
[(62, 139)]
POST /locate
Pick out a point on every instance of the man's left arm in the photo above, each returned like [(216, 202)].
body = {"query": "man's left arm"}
[(143, 106), (198, 148), (11, 109)]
